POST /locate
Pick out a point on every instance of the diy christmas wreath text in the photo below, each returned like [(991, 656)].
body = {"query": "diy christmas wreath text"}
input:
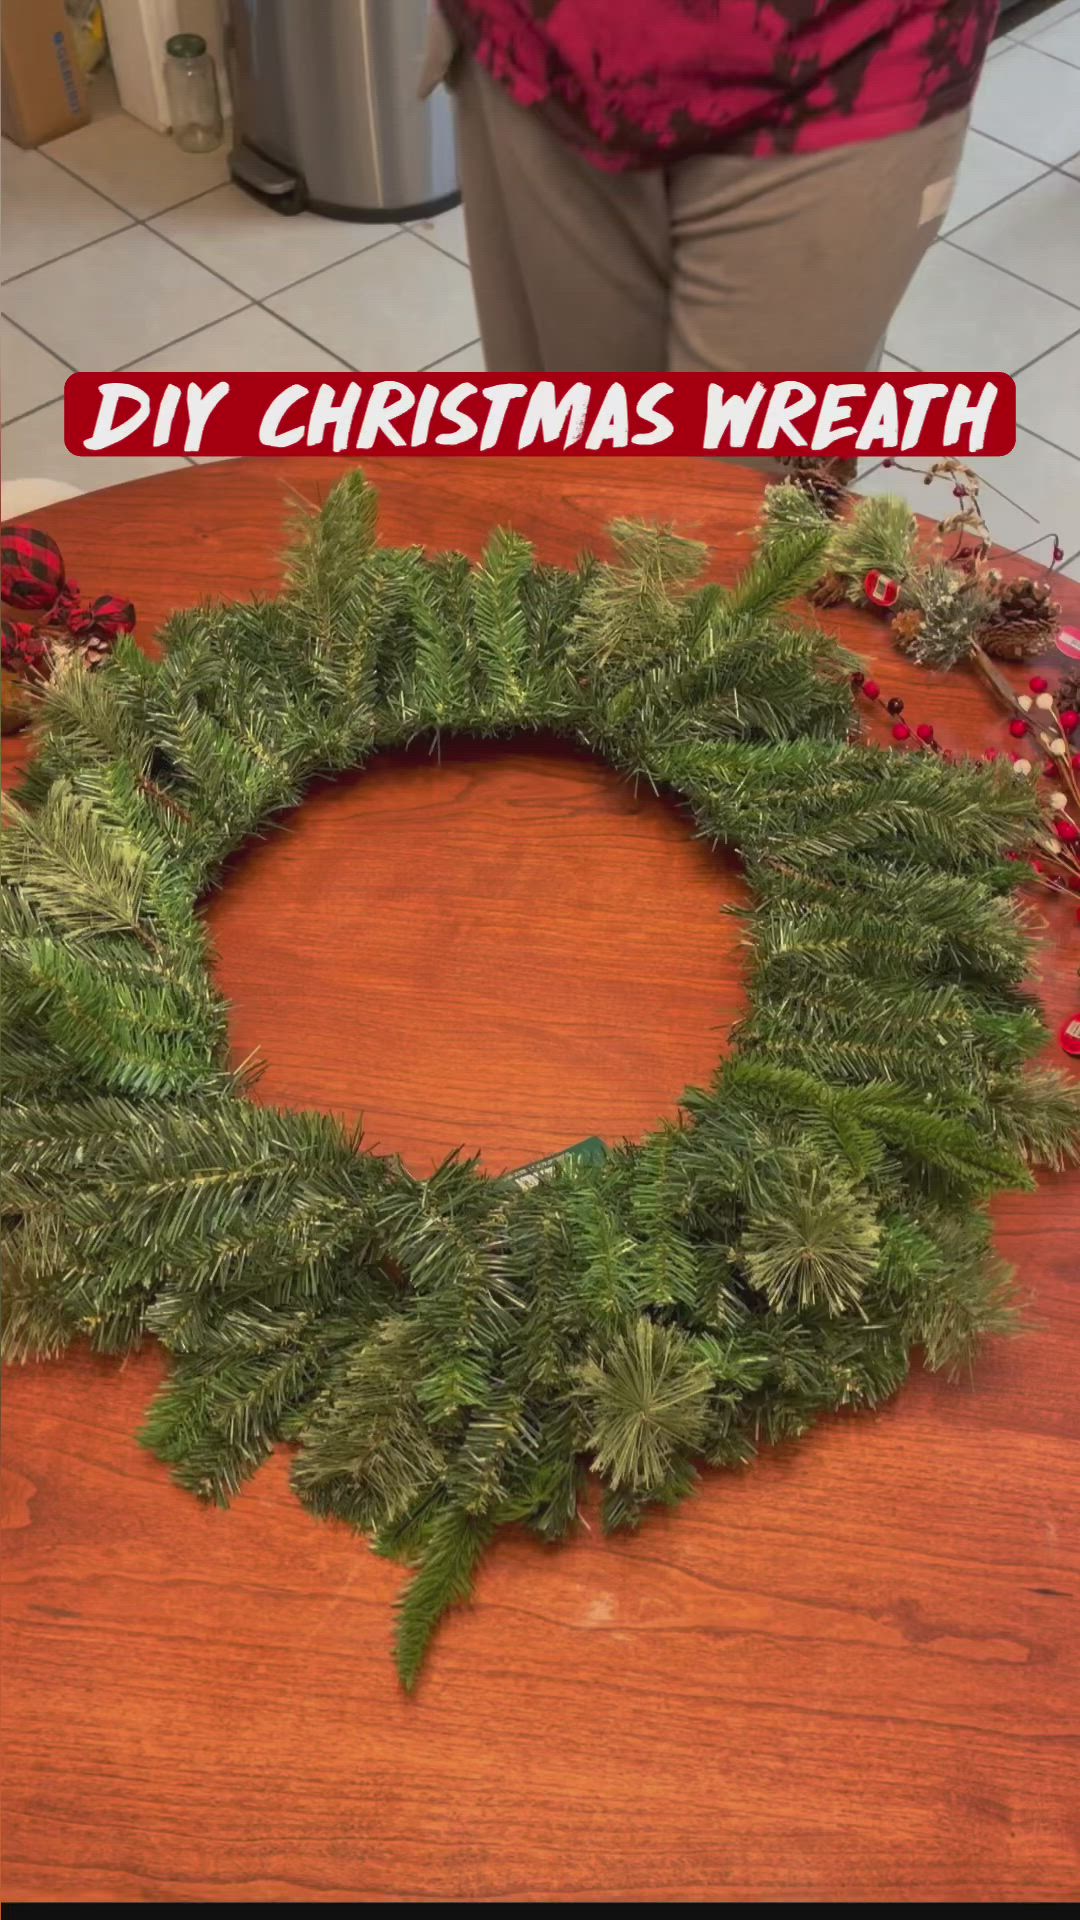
[(576, 414)]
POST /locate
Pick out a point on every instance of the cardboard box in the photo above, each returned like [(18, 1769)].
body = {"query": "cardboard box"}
[(42, 89)]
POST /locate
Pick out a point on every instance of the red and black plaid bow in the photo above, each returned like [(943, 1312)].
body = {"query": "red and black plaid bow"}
[(102, 619), (34, 580), (31, 569), (22, 650)]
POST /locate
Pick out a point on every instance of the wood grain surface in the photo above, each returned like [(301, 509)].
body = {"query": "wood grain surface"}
[(848, 1672)]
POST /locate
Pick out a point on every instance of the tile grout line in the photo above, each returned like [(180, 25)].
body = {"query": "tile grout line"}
[(27, 335), (293, 328), (1048, 166), (1013, 194), (274, 293), (970, 254), (1052, 444), (436, 248), (1036, 357), (247, 300), (137, 219), (182, 251), (126, 366), (1057, 165), (262, 301), (83, 247), (1061, 58), (72, 175), (432, 366), (30, 411), (189, 200), (145, 221), (1044, 442), (32, 337)]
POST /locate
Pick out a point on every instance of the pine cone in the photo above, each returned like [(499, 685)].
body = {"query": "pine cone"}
[(68, 649), (1024, 620), (830, 590), (826, 481), (1067, 693), (907, 626), (1014, 642), (1024, 599)]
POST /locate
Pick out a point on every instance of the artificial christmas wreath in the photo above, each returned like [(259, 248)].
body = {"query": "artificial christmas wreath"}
[(451, 1354)]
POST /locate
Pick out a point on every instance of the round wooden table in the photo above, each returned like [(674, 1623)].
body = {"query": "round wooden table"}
[(846, 1673)]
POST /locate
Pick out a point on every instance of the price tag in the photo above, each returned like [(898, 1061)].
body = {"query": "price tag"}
[(880, 589)]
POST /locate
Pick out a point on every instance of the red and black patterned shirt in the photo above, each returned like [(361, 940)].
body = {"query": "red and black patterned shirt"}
[(636, 83)]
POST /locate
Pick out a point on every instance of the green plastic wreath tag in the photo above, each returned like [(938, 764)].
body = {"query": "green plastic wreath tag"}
[(585, 1151)]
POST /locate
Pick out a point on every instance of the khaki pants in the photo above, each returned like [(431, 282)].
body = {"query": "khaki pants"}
[(722, 263)]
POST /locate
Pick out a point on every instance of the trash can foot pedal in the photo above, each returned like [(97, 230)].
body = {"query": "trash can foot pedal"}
[(270, 182)]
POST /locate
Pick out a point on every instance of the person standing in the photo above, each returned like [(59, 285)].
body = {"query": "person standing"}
[(719, 185)]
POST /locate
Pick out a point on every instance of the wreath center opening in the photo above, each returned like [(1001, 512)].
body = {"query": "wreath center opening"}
[(505, 948)]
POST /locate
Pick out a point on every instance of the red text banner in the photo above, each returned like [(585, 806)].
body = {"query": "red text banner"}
[(872, 416)]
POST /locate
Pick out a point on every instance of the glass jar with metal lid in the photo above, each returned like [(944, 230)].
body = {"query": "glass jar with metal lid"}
[(192, 89)]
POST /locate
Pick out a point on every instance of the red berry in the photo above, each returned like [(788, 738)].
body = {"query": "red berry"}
[(1067, 830), (1069, 720), (1037, 683), (858, 678), (1018, 728), (925, 731), (1052, 770), (991, 753), (1036, 866), (1059, 553), (871, 689), (1012, 856), (1075, 762), (901, 732)]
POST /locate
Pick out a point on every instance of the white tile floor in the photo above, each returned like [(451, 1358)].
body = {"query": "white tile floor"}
[(119, 250), (1001, 288)]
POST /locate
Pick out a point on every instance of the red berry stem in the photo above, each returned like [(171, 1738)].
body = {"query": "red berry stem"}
[(1059, 842), (893, 709)]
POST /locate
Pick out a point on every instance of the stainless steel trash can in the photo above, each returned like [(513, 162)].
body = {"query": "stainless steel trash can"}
[(326, 109)]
